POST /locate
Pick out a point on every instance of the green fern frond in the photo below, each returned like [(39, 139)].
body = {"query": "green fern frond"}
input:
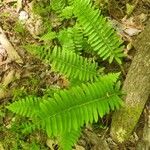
[(27, 107), (48, 36), (42, 8), (27, 128), (58, 5), (66, 39), (113, 77), (101, 36), (66, 62), (35, 49), (77, 38), (71, 109), (67, 140), (67, 12), (73, 66), (42, 52), (71, 38), (68, 110), (70, 2)]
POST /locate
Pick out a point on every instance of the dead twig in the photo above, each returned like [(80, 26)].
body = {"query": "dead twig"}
[(12, 54)]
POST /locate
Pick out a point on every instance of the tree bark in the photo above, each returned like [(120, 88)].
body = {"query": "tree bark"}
[(136, 88)]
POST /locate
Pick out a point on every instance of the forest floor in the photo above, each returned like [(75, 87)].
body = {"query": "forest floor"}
[(27, 75)]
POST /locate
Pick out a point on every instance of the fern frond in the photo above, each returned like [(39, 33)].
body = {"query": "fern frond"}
[(77, 38), (66, 62), (71, 109), (73, 65), (27, 107), (67, 12), (110, 77), (58, 5), (68, 110), (27, 128), (70, 2), (101, 36), (71, 38), (35, 49), (48, 36), (40, 51), (41, 8), (67, 140), (66, 39)]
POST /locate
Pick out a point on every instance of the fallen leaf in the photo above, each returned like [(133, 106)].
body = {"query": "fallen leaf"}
[(132, 31)]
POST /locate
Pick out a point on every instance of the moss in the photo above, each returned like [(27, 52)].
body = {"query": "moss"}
[(126, 123)]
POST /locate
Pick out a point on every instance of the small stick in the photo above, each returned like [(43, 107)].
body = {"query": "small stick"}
[(12, 53)]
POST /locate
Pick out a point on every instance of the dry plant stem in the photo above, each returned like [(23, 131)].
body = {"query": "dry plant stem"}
[(19, 5), (7, 80), (12, 54), (137, 89)]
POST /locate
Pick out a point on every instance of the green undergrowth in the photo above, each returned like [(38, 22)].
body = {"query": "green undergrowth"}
[(76, 41)]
